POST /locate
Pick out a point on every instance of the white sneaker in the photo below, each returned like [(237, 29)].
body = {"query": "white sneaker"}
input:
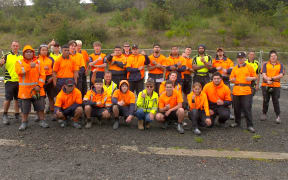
[(278, 120)]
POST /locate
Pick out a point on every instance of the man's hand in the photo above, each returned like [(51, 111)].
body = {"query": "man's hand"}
[(203, 59), (50, 80), (250, 78), (224, 71), (167, 113), (2, 61), (220, 102), (232, 79), (32, 64), (167, 107), (46, 68), (37, 88), (173, 68), (129, 119), (208, 121), (140, 68), (179, 63), (143, 53), (151, 116), (218, 68), (143, 95), (211, 112), (184, 55), (121, 103)]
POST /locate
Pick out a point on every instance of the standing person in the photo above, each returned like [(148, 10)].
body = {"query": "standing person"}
[(64, 68), (256, 66), (147, 104), (126, 50), (123, 104), (31, 81), (11, 81), (86, 60), (135, 69), (69, 104), (202, 63), (96, 62), (272, 72), (117, 65), (187, 82), (156, 68), (219, 98), (97, 103), (56, 50), (223, 65), (170, 107), (80, 62), (177, 63), (48, 63), (198, 108), (242, 75)]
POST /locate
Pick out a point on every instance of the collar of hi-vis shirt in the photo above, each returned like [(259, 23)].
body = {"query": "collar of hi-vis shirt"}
[(224, 58), (97, 54), (244, 64), (17, 54)]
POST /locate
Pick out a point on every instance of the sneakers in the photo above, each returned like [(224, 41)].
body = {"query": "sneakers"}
[(63, 124), (232, 117), (116, 124), (164, 125), (148, 125), (196, 131), (180, 128), (76, 125), (23, 126), (88, 125), (140, 125), (6, 120), (44, 124), (278, 120), (233, 125), (263, 117), (251, 129)]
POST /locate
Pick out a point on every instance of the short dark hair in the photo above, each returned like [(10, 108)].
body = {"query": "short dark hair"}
[(216, 74), (168, 82), (272, 52), (108, 72), (65, 46), (117, 47), (98, 80), (156, 45), (72, 42)]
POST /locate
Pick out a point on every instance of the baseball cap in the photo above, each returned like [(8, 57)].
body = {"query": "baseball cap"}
[(241, 55), (69, 82), (134, 46)]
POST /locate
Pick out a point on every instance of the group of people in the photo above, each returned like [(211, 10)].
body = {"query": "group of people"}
[(118, 88)]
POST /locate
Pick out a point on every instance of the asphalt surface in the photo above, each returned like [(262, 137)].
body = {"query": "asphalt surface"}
[(69, 153)]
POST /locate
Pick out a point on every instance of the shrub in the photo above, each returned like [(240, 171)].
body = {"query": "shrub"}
[(156, 18)]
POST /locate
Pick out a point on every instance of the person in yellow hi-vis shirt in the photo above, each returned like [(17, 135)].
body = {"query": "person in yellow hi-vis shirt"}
[(11, 80)]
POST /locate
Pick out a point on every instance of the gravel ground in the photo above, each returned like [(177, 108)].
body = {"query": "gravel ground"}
[(70, 153)]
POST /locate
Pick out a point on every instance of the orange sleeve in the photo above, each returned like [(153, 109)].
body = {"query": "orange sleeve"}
[(189, 99), (42, 74), (74, 65), (21, 69), (78, 97), (227, 94), (128, 62), (116, 94), (231, 65), (132, 98), (232, 74), (56, 65), (213, 63), (252, 71), (87, 95), (206, 105), (161, 88), (58, 102), (161, 102), (179, 97)]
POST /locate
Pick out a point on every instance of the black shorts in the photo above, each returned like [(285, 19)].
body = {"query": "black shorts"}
[(123, 111), (172, 117), (70, 111), (49, 88), (97, 112), (11, 90), (38, 105), (187, 84), (201, 79)]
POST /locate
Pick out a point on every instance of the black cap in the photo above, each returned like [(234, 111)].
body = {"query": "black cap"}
[(56, 44), (134, 46), (202, 45), (219, 49), (69, 82), (241, 55)]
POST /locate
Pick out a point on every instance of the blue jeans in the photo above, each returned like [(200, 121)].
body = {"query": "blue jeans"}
[(141, 115)]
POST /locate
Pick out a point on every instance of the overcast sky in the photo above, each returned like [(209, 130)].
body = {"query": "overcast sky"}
[(29, 2)]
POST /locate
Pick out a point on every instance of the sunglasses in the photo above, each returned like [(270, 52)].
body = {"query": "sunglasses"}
[(149, 86)]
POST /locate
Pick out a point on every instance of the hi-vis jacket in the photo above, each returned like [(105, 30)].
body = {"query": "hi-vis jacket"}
[(101, 100), (148, 104), (109, 89), (30, 77)]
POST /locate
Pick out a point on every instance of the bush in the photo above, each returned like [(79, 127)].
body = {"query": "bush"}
[(156, 18), (169, 34)]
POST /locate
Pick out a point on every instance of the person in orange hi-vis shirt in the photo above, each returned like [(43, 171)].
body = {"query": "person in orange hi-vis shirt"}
[(242, 75), (173, 78), (223, 65), (123, 103), (80, 62), (97, 103), (31, 91), (156, 67), (116, 65), (86, 60), (272, 72), (219, 98), (126, 50), (96, 62), (69, 104), (170, 108), (198, 108), (136, 69), (64, 68), (177, 63)]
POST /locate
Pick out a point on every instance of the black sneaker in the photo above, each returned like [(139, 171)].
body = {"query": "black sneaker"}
[(164, 125), (6, 120), (116, 124)]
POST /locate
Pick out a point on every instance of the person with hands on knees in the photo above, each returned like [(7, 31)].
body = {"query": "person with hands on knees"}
[(32, 76), (97, 103), (123, 103), (69, 104), (198, 108), (242, 75), (219, 98), (170, 108), (147, 104)]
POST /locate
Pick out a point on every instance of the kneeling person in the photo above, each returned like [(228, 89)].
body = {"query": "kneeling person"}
[(97, 103), (198, 108), (170, 107), (123, 103), (69, 104), (147, 104)]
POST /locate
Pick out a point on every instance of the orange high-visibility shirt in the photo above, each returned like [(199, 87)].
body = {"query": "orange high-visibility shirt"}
[(48, 63), (200, 102), (214, 93), (65, 68), (64, 100), (173, 100), (94, 57), (272, 70), (101, 100), (225, 63), (160, 60)]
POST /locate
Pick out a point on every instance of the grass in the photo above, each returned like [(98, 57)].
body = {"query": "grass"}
[(256, 137), (260, 159), (198, 139)]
